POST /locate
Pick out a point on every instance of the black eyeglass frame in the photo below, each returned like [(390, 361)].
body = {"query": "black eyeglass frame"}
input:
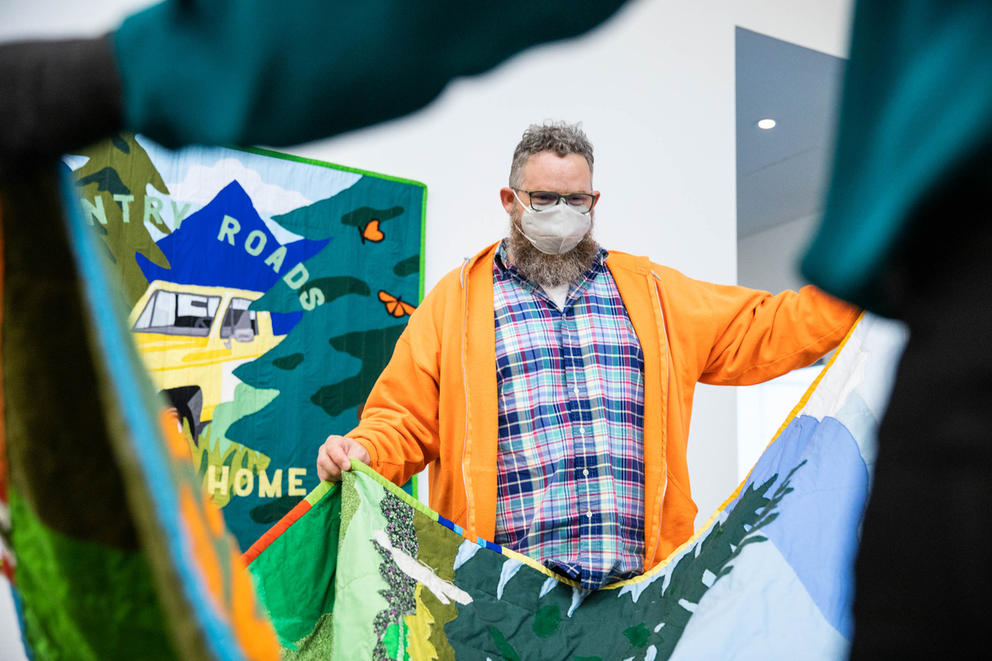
[(560, 198)]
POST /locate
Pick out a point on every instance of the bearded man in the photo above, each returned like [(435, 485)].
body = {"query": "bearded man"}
[(548, 383)]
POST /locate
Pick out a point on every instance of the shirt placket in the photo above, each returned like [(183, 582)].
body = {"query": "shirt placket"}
[(584, 466)]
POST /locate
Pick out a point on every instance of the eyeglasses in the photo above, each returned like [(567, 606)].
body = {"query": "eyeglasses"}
[(541, 200)]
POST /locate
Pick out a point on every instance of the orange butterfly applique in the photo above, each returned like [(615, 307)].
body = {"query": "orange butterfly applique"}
[(395, 305), (371, 232)]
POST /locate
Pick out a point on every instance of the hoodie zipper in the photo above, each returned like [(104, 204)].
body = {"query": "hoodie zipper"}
[(660, 322), (469, 507)]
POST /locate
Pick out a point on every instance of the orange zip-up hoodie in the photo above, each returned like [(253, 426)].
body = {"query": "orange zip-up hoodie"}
[(435, 402)]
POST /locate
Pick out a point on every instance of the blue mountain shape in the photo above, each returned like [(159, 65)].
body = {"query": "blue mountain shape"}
[(817, 525), (200, 252)]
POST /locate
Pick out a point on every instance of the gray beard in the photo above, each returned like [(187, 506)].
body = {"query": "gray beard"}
[(549, 270)]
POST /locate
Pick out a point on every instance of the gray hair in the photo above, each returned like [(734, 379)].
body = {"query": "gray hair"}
[(560, 137)]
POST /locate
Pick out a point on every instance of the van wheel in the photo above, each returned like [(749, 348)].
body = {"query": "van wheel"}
[(188, 401)]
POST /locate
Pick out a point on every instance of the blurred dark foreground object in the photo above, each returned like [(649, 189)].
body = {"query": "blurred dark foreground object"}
[(55, 96), (907, 233), (249, 72)]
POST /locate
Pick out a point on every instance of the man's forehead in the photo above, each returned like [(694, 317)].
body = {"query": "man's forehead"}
[(546, 167)]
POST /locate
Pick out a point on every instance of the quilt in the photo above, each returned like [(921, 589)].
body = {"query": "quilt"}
[(361, 570)]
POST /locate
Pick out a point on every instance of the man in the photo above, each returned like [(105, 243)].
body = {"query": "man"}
[(549, 382)]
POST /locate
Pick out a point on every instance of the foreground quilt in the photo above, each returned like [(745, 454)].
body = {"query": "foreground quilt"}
[(114, 550), (361, 570)]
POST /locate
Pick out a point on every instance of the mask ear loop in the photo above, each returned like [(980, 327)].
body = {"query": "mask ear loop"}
[(518, 200)]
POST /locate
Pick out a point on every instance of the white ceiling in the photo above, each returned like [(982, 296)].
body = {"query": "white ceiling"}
[(782, 172)]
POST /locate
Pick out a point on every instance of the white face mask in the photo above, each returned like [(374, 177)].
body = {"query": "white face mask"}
[(554, 231)]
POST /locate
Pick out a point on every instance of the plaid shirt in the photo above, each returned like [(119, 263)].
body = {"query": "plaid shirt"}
[(570, 485)]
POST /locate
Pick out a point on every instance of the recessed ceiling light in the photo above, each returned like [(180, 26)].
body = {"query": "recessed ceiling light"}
[(766, 123)]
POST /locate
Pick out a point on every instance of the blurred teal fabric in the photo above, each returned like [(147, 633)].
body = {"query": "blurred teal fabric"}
[(277, 73), (917, 108)]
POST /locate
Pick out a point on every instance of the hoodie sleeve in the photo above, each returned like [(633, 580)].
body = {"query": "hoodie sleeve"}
[(742, 336)]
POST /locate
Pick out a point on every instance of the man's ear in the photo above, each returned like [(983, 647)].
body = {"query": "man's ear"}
[(507, 199)]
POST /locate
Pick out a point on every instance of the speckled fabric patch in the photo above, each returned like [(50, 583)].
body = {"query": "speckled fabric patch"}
[(401, 593)]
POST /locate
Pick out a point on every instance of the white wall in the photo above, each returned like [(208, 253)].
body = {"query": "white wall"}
[(769, 259), (660, 111)]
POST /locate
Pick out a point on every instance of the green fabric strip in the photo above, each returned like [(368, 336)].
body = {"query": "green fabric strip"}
[(296, 599), (319, 492), (71, 609)]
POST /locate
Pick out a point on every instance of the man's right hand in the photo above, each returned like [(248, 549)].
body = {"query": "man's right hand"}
[(335, 455)]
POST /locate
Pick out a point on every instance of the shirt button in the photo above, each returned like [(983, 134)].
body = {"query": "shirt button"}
[(585, 471), (588, 515)]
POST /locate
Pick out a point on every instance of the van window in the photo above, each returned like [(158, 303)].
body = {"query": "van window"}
[(178, 313), (237, 317)]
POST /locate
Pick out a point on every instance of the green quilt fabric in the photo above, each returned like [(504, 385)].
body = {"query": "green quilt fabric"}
[(398, 597)]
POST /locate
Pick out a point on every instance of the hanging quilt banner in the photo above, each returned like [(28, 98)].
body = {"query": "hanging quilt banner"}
[(265, 293)]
